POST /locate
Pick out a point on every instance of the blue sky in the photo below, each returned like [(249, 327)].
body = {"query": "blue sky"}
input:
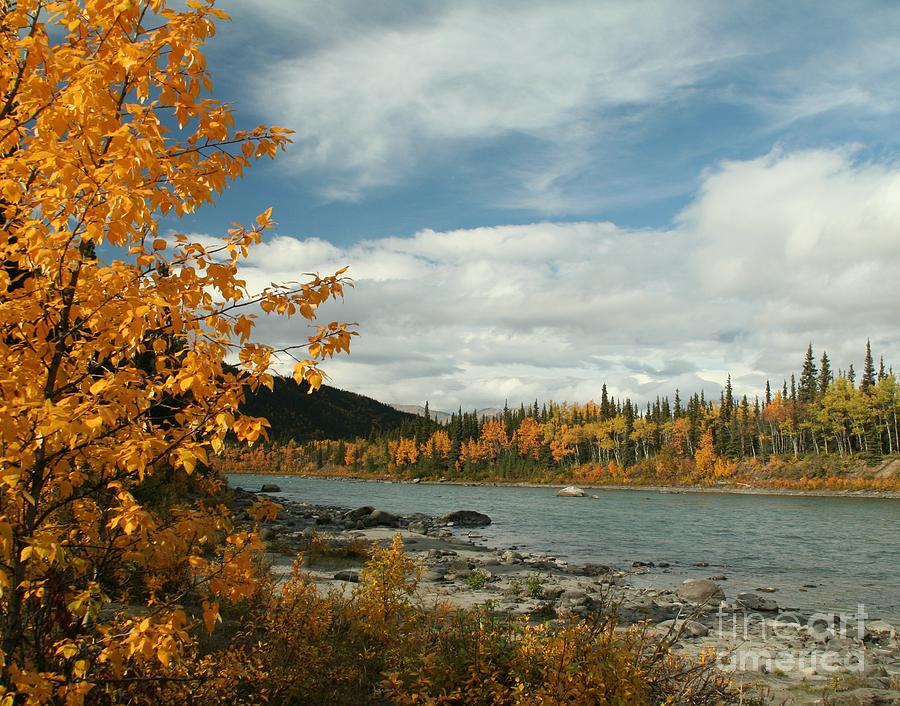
[(536, 197)]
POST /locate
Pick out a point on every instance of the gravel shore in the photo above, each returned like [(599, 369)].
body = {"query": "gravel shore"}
[(802, 658)]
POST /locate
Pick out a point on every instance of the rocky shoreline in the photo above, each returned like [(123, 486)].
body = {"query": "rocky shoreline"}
[(802, 658)]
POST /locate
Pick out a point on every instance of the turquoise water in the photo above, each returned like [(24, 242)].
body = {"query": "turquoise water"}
[(849, 548)]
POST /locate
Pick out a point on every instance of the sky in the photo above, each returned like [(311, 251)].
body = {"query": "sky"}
[(535, 198)]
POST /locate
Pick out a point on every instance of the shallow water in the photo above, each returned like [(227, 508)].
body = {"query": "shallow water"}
[(849, 548)]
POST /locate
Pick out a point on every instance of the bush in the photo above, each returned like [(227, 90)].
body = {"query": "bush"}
[(300, 645)]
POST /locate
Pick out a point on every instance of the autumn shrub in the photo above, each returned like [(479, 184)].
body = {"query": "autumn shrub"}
[(375, 644)]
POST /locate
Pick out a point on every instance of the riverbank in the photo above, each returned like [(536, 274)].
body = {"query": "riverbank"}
[(715, 489), (763, 643)]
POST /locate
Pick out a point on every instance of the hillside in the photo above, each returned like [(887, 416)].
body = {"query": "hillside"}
[(328, 413)]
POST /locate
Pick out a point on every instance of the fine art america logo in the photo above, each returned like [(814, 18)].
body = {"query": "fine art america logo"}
[(822, 643)]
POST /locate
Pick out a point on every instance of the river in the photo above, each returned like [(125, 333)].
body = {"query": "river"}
[(820, 553)]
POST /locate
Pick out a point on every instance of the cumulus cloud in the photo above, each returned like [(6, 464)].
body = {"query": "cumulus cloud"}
[(376, 96), (557, 96), (772, 253)]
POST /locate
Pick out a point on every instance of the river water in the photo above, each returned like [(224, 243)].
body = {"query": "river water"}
[(820, 553)]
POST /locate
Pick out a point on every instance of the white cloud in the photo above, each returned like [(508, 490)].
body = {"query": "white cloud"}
[(560, 99), (370, 101), (773, 253)]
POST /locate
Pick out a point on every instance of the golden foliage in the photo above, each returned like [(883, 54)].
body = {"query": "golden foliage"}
[(115, 377)]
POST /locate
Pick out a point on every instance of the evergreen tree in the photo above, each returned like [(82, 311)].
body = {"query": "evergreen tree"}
[(873, 445), (868, 376), (768, 393), (808, 378), (825, 374), (851, 376), (678, 410), (728, 401)]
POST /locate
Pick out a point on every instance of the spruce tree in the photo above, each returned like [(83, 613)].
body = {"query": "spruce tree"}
[(868, 377), (825, 375), (729, 399), (604, 403), (808, 378), (873, 445), (851, 376), (768, 393)]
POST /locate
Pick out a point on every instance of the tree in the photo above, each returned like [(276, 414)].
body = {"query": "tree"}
[(808, 378), (825, 375), (868, 376), (125, 372)]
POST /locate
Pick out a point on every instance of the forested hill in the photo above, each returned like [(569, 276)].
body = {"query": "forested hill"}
[(328, 413)]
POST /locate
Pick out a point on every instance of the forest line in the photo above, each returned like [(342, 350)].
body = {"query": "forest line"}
[(818, 429)]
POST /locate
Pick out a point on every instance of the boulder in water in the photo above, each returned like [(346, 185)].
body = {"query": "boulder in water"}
[(270, 488), (467, 518), (570, 491)]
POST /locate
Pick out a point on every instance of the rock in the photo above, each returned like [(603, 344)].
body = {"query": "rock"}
[(467, 518), (308, 533), (751, 601), (689, 628), (766, 589), (359, 512), (664, 565), (268, 534), (880, 630), (360, 525), (866, 696), (700, 591), (570, 491), (574, 597), (552, 592), (418, 527), (432, 575), (270, 488), (347, 575), (592, 570), (383, 517), (718, 577)]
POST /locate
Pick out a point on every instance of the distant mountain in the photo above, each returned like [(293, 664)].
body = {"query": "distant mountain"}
[(442, 417), (328, 413), (419, 411)]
